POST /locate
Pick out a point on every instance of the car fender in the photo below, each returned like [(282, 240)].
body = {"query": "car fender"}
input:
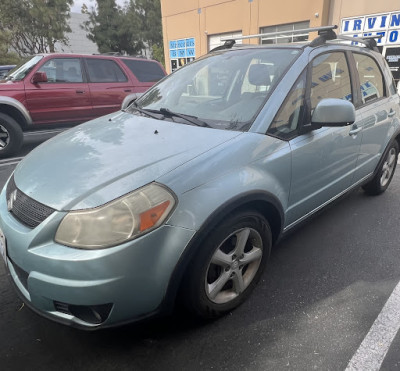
[(393, 131), (254, 200), (394, 136), (18, 106), (226, 175)]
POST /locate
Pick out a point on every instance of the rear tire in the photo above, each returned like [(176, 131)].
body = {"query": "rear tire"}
[(11, 136), (384, 175), (228, 265)]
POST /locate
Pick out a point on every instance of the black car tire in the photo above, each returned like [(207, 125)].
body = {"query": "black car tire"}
[(11, 136), (381, 180), (241, 246)]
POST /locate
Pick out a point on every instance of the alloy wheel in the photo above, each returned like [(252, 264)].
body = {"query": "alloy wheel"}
[(4, 137), (388, 167), (233, 265)]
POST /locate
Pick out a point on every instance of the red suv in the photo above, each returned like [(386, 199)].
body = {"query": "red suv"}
[(68, 89)]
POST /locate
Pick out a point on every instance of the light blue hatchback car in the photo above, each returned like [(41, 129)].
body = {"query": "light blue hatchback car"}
[(182, 194)]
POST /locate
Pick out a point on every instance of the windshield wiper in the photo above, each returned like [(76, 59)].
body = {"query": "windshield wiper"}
[(155, 115), (192, 119)]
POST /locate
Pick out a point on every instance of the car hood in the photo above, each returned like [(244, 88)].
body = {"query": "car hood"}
[(103, 159), (6, 85)]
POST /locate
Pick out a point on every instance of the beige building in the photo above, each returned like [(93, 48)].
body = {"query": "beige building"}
[(193, 27)]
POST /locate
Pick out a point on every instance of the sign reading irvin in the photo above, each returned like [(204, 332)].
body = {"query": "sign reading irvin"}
[(386, 25)]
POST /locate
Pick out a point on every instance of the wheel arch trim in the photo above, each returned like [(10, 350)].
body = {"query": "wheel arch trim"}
[(395, 137), (8, 101), (263, 202)]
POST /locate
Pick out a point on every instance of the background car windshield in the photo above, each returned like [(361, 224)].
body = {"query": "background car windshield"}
[(20, 72), (226, 89)]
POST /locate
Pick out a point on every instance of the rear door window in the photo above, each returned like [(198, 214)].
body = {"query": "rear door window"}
[(145, 71), (371, 78), (104, 70)]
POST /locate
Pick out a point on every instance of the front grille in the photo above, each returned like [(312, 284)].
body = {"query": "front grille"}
[(25, 209)]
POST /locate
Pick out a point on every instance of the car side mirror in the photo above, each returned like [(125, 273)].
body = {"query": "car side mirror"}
[(39, 77), (333, 112), (129, 99)]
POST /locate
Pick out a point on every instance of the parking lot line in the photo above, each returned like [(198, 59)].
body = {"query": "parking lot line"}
[(376, 344), (10, 161), (43, 132)]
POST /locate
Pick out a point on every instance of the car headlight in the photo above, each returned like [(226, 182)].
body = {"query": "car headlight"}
[(117, 221)]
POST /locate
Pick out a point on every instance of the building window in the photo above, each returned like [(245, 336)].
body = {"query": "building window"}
[(215, 40), (285, 38)]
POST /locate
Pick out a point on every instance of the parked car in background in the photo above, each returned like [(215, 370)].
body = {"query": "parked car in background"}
[(53, 89), (182, 195), (4, 70)]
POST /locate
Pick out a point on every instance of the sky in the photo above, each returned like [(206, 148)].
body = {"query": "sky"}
[(76, 7)]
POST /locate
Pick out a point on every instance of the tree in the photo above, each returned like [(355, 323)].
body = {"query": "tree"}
[(34, 26), (6, 56), (129, 29), (108, 27), (147, 25), (84, 9), (149, 12)]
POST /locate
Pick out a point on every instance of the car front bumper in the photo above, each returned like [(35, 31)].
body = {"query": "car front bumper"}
[(90, 288)]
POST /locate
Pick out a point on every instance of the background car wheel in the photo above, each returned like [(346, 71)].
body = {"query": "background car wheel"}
[(383, 177), (228, 265), (11, 136)]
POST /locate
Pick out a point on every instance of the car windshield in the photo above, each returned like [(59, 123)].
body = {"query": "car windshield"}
[(21, 71), (223, 90)]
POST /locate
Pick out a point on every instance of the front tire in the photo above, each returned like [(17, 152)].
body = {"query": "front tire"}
[(11, 136), (228, 265), (384, 175)]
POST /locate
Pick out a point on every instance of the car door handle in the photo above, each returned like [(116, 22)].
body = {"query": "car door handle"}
[(391, 113), (127, 90), (80, 92), (355, 130)]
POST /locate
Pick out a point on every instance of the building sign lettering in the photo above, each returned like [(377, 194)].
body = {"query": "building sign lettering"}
[(386, 25), (181, 51)]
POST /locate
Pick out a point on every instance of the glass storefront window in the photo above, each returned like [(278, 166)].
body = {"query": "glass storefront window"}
[(286, 38)]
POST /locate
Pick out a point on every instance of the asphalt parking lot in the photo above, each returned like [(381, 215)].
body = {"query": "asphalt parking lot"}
[(324, 288)]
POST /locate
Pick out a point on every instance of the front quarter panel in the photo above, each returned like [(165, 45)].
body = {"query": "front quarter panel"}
[(250, 164)]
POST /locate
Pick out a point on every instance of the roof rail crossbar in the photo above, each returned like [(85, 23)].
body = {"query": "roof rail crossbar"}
[(227, 45), (278, 33), (324, 36), (368, 41)]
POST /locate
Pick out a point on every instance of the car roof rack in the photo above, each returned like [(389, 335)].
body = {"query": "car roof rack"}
[(325, 33), (368, 41), (227, 45)]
